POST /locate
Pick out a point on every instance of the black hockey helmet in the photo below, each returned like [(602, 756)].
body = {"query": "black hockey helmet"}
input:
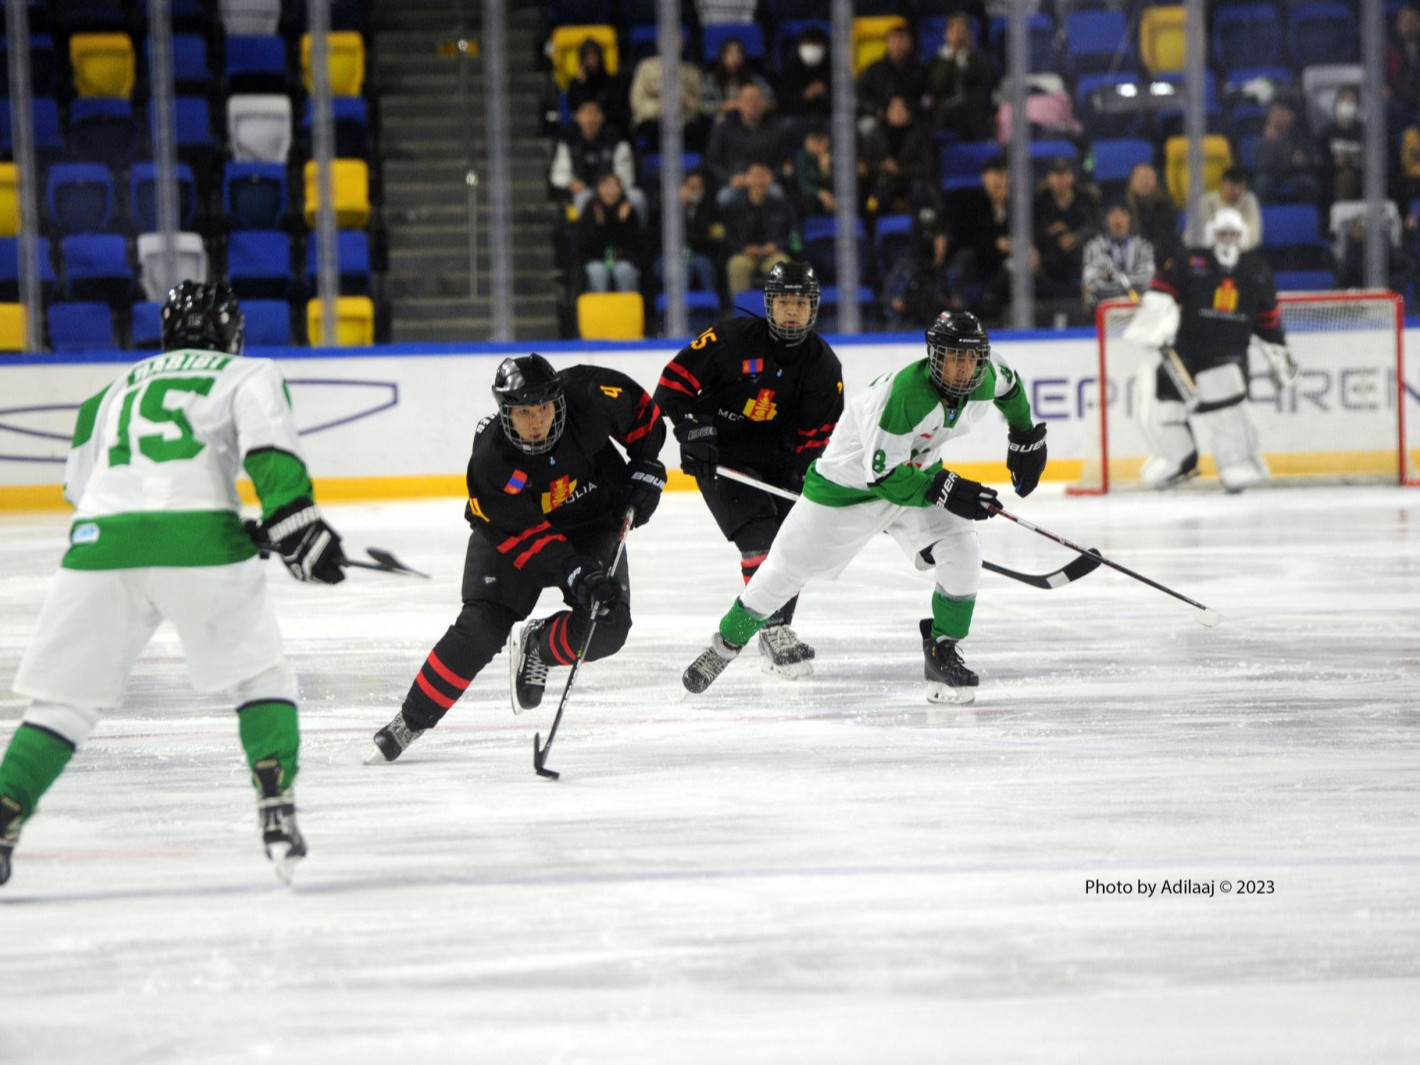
[(791, 279), (957, 336), (529, 381), (203, 315)]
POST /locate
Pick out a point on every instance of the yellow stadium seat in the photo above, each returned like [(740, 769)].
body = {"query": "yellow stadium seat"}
[(1161, 38), (9, 200), (352, 193), (103, 64), (611, 316), (870, 38), (354, 322), (566, 43), (346, 61), (1217, 157), (12, 327)]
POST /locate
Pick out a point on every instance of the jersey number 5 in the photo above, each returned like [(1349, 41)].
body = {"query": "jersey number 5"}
[(158, 447)]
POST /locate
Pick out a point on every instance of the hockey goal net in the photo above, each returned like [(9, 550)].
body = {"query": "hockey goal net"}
[(1351, 415)]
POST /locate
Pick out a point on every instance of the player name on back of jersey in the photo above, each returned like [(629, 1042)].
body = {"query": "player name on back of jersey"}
[(178, 362)]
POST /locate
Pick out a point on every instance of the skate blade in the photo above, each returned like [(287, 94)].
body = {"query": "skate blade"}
[(284, 863), (792, 671), (945, 693), (512, 649), (376, 757)]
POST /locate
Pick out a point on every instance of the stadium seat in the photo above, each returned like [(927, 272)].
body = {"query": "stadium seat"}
[(96, 267), (259, 264), (1217, 157), (961, 163), (1169, 119), (749, 34), (12, 327), (268, 322), (44, 65), (1044, 152), (255, 195), (192, 128), (350, 117), (259, 127), (567, 40), (1041, 28), (892, 239), (1161, 38), (9, 199), (820, 234), (702, 310), (250, 18), (103, 64), (1096, 42), (1115, 159), (1292, 237), (751, 301), (190, 263), (355, 322), (257, 65), (1304, 280), (48, 141), (191, 70), (10, 268), (102, 130), (869, 37), (611, 316), (352, 254), (584, 12), (143, 196), (85, 15), (80, 197), (1322, 31), (345, 59), (1246, 35), (829, 307), (147, 325), (352, 193), (82, 326)]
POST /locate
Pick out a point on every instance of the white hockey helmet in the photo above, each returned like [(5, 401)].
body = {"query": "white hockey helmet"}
[(1224, 234)]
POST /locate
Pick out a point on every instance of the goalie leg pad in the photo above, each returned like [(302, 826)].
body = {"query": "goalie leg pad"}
[(1224, 417), (1175, 453)]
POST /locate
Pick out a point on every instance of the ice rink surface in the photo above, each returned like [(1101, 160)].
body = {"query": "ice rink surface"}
[(830, 870)]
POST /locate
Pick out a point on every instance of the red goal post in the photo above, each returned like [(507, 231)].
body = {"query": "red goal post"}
[(1352, 415)]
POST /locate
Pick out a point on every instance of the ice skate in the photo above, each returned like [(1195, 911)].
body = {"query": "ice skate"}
[(949, 681), (526, 667), (276, 810), (1160, 474), (712, 662), (392, 740), (9, 833), (784, 653)]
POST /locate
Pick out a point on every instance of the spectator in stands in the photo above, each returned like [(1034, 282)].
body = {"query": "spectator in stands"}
[(1116, 262), (1409, 172), (610, 241), (806, 85), (901, 160), (960, 81), (1064, 221), (757, 229), (592, 82), (813, 172), (1155, 216), (1401, 267), (646, 102), (1285, 166), (748, 134), (1403, 65), (916, 284), (897, 73), (704, 233), (980, 243), (731, 72), (1343, 146), (1232, 191), (585, 151)]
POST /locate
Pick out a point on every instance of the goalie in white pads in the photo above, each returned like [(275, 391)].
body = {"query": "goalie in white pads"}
[(881, 472), (1200, 313)]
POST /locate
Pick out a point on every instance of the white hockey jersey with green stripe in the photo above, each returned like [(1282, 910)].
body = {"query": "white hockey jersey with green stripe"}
[(155, 457), (889, 441)]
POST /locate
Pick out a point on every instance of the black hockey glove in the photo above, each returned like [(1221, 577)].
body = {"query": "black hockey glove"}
[(643, 489), (1025, 458), (699, 447), (966, 499), (592, 586), (309, 547)]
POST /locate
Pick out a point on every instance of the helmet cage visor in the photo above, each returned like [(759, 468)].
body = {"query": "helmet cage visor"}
[(508, 403), (948, 364), (791, 334)]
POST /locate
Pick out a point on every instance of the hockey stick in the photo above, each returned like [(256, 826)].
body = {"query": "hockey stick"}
[(539, 748), (1208, 618), (384, 560), (1073, 571), (1172, 363)]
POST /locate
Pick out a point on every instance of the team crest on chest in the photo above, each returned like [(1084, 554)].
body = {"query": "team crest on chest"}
[(761, 408), (1225, 296), (558, 492)]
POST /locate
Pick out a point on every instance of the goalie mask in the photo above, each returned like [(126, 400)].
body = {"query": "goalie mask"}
[(1224, 235), (958, 351), (202, 316), (791, 279), (523, 387)]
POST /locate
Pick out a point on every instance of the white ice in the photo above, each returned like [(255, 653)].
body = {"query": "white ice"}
[(829, 870)]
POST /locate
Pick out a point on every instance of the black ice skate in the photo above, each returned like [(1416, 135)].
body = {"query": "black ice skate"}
[(9, 833), (276, 810), (784, 653), (527, 666), (949, 681), (391, 741), (712, 662)]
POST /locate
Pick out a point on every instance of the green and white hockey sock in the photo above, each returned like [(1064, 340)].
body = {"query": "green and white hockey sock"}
[(269, 730), (32, 762), (951, 617), (740, 624)]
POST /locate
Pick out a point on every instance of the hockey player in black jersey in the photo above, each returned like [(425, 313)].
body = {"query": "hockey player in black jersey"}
[(546, 494), (760, 395), (1201, 311)]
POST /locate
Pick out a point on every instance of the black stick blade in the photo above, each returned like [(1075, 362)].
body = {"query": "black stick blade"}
[(540, 759), (388, 562)]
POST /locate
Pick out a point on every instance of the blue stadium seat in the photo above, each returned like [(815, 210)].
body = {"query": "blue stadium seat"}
[(829, 306), (749, 34), (1042, 42), (1322, 31), (352, 253), (80, 197), (256, 65), (81, 327), (255, 195), (641, 42), (820, 234), (1304, 280), (85, 16), (192, 72), (96, 267), (10, 269), (892, 238), (143, 199), (751, 301), (961, 163), (192, 126), (147, 324), (1115, 159), (259, 264), (350, 116), (1292, 237), (49, 141), (44, 64), (1044, 152), (1246, 35), (1096, 42), (268, 322), (702, 310), (102, 130)]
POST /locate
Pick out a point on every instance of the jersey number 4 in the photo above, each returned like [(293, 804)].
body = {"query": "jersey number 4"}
[(158, 447)]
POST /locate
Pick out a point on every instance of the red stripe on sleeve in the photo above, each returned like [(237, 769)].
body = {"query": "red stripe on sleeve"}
[(1165, 287), (678, 368), (676, 386)]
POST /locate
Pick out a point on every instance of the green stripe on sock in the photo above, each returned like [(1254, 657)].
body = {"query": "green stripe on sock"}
[(32, 762), (270, 730), (951, 617)]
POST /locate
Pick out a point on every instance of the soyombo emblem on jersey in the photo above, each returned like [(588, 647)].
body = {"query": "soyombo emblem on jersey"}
[(557, 493), (1225, 296), (516, 483), (753, 366), (761, 408)]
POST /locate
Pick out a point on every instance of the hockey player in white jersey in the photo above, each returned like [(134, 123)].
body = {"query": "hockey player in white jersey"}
[(157, 534), (882, 471)]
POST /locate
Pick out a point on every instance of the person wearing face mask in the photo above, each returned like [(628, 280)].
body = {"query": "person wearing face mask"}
[(1204, 307), (1343, 145), (960, 81), (804, 87)]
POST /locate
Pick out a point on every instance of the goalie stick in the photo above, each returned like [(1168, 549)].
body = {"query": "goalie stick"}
[(1086, 563), (384, 561), (1172, 362), (540, 749)]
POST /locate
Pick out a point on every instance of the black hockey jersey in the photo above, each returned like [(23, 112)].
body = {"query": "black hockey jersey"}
[(1220, 309), (527, 504), (773, 406)]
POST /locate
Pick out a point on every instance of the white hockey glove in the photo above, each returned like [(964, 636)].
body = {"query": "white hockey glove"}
[(1281, 367)]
